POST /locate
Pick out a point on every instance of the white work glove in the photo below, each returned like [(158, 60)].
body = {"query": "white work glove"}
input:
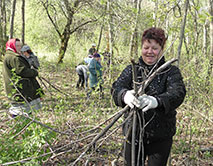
[(147, 102), (131, 100)]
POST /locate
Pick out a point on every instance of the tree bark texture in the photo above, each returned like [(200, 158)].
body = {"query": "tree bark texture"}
[(111, 35), (205, 35), (1, 20), (23, 21), (4, 20), (134, 37), (182, 30), (64, 42), (66, 33), (211, 44), (100, 37), (3, 38), (12, 18)]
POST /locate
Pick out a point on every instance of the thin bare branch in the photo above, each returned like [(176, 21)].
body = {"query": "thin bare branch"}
[(45, 5), (100, 135)]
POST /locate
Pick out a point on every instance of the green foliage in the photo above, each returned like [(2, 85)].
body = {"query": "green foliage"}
[(17, 145)]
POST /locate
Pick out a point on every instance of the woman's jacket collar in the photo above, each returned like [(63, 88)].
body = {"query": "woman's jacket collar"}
[(149, 67)]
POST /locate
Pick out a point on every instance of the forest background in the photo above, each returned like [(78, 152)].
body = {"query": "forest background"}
[(60, 32)]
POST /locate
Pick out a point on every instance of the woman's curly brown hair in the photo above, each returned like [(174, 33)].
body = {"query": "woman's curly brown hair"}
[(155, 33)]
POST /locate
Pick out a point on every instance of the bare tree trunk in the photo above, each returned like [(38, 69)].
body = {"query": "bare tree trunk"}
[(64, 42), (100, 37), (211, 27), (111, 40), (1, 32), (4, 20), (155, 13), (12, 18), (1, 20), (205, 37), (69, 12), (3, 38), (67, 31), (23, 21), (211, 44), (134, 37), (196, 34), (182, 30), (107, 40)]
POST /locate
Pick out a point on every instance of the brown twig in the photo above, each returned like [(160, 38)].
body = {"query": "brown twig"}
[(54, 86), (98, 126), (151, 77), (48, 127), (134, 110), (44, 85), (45, 154), (25, 127), (116, 128), (101, 134)]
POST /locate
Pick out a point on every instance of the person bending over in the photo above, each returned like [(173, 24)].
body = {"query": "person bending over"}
[(82, 71)]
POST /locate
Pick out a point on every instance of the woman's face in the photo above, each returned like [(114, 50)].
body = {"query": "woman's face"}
[(18, 47), (151, 51), (26, 54)]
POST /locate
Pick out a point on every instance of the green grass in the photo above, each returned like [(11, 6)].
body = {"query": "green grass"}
[(73, 114)]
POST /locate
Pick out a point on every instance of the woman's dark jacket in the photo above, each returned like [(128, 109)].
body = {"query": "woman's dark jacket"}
[(20, 78), (167, 87)]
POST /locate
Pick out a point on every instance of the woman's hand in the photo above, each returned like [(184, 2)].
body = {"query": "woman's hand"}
[(131, 100), (147, 102)]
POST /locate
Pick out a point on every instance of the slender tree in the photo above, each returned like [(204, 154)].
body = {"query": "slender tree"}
[(1, 19), (211, 28), (3, 38), (12, 18), (205, 35), (69, 10), (110, 33), (100, 37), (211, 44), (4, 20), (134, 37), (155, 13), (1, 31), (23, 21), (182, 30)]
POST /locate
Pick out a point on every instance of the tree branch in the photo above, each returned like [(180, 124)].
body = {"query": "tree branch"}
[(101, 134), (48, 14), (81, 25)]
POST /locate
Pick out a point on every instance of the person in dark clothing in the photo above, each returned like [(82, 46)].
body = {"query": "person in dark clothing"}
[(30, 57), (162, 96), (21, 86), (92, 50)]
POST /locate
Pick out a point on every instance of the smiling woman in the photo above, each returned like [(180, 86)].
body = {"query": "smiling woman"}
[(156, 108), (153, 42), (151, 51)]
